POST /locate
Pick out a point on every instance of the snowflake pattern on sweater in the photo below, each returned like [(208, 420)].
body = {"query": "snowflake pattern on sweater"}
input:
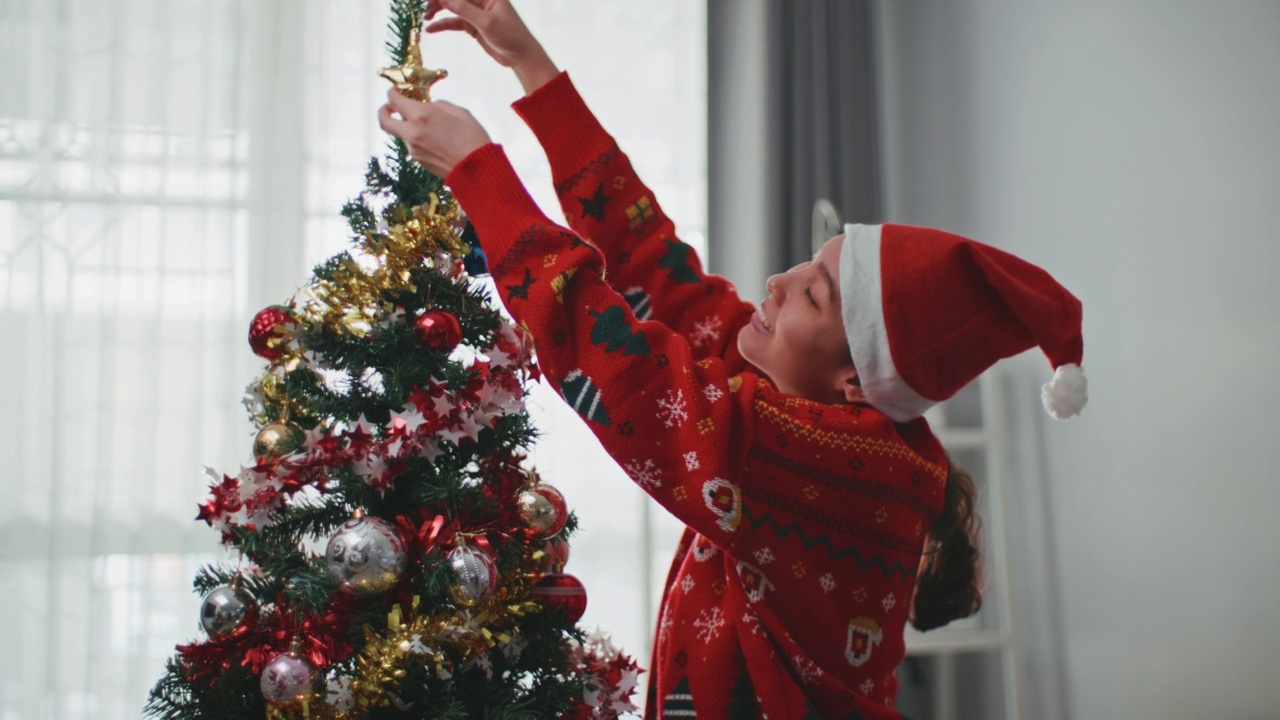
[(803, 520)]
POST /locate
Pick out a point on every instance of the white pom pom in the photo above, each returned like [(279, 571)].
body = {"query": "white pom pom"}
[(1066, 394)]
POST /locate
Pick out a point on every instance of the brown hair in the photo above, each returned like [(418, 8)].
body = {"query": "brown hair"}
[(949, 584)]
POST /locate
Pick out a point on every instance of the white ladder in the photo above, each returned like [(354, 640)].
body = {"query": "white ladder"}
[(971, 427)]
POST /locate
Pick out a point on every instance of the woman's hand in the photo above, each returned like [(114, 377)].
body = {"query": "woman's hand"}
[(500, 31), (439, 134)]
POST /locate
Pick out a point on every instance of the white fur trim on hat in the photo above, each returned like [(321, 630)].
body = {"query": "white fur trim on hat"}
[(1066, 394), (862, 309)]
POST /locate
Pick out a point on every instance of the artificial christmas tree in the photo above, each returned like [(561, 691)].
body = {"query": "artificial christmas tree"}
[(397, 557)]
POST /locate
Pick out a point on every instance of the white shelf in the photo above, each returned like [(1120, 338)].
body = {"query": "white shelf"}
[(962, 439), (943, 640), (978, 431)]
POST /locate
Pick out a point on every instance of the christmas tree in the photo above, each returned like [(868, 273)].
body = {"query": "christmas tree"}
[(396, 556)]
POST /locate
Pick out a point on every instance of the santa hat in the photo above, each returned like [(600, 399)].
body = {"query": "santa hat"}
[(926, 312)]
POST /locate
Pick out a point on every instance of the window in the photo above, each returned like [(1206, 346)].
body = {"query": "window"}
[(124, 223)]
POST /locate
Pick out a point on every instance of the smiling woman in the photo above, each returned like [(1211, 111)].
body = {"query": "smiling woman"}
[(797, 336), (152, 196)]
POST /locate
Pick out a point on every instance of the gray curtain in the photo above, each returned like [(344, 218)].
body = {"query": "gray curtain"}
[(819, 117), (823, 118)]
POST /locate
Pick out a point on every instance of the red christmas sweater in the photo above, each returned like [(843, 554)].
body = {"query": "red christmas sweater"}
[(789, 592)]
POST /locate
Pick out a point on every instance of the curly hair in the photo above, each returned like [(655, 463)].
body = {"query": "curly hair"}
[(949, 584)]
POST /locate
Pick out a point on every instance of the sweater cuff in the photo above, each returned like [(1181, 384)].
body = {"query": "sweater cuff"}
[(489, 190), (562, 122)]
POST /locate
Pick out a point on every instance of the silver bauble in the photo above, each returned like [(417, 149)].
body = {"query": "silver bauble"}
[(288, 679), (475, 575), (224, 609), (366, 556)]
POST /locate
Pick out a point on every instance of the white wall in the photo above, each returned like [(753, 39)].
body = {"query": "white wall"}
[(1132, 148)]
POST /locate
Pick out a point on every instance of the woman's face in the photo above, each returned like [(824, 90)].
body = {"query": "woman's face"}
[(797, 338)]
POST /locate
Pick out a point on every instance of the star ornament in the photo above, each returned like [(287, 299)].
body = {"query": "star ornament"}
[(412, 78)]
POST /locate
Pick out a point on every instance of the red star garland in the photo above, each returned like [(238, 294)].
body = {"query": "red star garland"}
[(611, 680), (513, 349), (422, 399), (379, 454)]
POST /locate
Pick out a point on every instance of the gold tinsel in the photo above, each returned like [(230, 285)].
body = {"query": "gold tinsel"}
[(315, 709), (351, 301), (424, 639)]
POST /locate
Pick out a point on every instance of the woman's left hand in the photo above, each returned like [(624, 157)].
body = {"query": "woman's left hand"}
[(439, 134)]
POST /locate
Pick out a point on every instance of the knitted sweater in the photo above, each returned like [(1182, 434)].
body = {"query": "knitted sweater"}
[(791, 586)]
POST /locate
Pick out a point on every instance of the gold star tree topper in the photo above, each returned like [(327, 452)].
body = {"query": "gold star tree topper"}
[(412, 78)]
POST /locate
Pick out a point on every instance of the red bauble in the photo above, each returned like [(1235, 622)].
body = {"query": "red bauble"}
[(555, 554), (439, 330), (266, 332), (562, 591), (543, 509)]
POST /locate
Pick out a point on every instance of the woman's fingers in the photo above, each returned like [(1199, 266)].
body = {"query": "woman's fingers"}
[(468, 11), (388, 122), (435, 6), (407, 108), (438, 134), (453, 23)]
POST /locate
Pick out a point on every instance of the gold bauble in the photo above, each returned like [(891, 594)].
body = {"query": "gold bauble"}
[(277, 439)]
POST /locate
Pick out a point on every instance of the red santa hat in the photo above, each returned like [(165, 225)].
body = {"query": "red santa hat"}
[(926, 312)]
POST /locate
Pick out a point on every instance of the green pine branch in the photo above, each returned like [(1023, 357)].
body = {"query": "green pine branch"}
[(405, 16)]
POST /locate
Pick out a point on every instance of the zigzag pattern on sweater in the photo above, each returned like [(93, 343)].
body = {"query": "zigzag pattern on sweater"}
[(525, 244), (897, 567), (592, 168), (846, 483), (858, 531), (846, 441)]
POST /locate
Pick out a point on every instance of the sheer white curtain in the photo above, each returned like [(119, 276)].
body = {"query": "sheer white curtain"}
[(124, 148), (167, 167)]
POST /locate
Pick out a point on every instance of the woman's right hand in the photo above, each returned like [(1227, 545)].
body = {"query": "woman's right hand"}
[(500, 31)]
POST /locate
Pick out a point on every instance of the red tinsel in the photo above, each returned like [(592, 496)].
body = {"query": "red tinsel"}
[(323, 640), (579, 711), (423, 531), (503, 478)]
